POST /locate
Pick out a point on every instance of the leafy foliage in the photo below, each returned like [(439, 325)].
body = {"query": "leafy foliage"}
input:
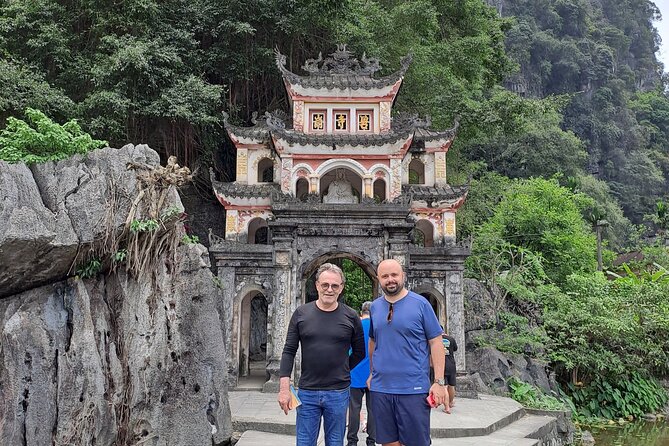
[(516, 335), (625, 396), (41, 139), (541, 219), (145, 225), (89, 269), (602, 54), (358, 288), (190, 239), (608, 328), (531, 396)]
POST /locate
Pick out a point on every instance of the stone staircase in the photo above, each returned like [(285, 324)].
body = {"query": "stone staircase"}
[(489, 420)]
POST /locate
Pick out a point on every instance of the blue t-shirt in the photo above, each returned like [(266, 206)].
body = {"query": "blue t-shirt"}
[(401, 357), (360, 373)]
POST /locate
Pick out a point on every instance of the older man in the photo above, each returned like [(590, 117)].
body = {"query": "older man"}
[(326, 330), (404, 332)]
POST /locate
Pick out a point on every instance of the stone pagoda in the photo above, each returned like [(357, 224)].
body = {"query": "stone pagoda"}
[(339, 178)]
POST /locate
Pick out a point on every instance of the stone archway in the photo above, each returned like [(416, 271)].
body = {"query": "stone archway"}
[(252, 337), (437, 302), (307, 277)]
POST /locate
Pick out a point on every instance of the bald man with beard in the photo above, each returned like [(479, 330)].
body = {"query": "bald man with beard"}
[(404, 332)]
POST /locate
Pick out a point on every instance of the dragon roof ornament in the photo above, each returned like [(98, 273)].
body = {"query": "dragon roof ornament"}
[(341, 63), (341, 70)]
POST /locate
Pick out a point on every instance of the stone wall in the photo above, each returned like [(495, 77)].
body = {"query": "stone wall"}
[(110, 360)]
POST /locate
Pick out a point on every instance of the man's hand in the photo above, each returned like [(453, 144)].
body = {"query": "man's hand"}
[(439, 394), (369, 382), (284, 397)]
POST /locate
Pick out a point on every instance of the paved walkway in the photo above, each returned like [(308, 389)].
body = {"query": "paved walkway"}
[(491, 420)]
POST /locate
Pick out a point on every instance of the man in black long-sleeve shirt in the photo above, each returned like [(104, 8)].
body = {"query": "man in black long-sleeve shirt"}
[(326, 330)]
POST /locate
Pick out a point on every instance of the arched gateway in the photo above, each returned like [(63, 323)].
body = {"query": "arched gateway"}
[(341, 191)]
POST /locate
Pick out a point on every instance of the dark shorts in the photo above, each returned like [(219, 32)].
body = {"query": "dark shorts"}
[(403, 418), (450, 379)]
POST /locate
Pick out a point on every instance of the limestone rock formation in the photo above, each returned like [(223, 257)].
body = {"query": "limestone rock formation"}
[(113, 359), (480, 311), (52, 211)]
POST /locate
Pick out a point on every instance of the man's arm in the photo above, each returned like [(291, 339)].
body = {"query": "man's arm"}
[(287, 361), (357, 344), (438, 362)]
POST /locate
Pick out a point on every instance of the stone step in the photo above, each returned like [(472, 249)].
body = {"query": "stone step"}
[(471, 417), (531, 430), (530, 426), (483, 441), (490, 420), (256, 438)]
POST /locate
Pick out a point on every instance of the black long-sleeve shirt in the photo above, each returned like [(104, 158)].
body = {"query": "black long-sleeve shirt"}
[(325, 338)]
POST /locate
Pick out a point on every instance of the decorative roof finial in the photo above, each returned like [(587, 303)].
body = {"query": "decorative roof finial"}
[(341, 63)]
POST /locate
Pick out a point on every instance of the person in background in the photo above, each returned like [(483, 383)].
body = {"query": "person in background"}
[(450, 347), (359, 389), (325, 330)]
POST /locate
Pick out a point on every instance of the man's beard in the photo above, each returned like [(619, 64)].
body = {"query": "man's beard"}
[(389, 291)]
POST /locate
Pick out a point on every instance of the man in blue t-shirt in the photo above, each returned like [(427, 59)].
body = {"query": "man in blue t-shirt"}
[(404, 332), (359, 389)]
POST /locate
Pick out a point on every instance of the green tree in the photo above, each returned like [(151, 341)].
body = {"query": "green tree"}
[(358, 288), (545, 219)]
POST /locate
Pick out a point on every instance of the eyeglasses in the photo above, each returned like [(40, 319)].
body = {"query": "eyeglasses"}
[(333, 286), (390, 312)]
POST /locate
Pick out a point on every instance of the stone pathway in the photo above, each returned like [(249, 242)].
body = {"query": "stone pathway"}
[(490, 420)]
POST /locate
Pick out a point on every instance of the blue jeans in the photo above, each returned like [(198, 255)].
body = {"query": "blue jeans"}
[(329, 404)]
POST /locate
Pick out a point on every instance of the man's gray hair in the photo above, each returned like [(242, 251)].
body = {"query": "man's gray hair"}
[(333, 268), (366, 307)]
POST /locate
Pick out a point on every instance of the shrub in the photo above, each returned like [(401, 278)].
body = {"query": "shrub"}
[(628, 397), (531, 396), (40, 139), (608, 328)]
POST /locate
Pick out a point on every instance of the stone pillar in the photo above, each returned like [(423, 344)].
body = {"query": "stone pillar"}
[(384, 116), (455, 311), (395, 180), (398, 246), (298, 116), (226, 276), (314, 184), (367, 186), (281, 308), (286, 179)]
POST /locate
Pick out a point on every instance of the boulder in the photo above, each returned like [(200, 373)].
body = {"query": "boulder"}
[(115, 360), (495, 368), (480, 312), (54, 212)]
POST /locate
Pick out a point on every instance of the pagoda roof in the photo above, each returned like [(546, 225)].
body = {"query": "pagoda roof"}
[(337, 139), (261, 127), (246, 195), (341, 71), (421, 128), (403, 127), (435, 196)]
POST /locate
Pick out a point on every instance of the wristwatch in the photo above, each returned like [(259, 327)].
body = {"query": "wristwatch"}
[(441, 382)]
